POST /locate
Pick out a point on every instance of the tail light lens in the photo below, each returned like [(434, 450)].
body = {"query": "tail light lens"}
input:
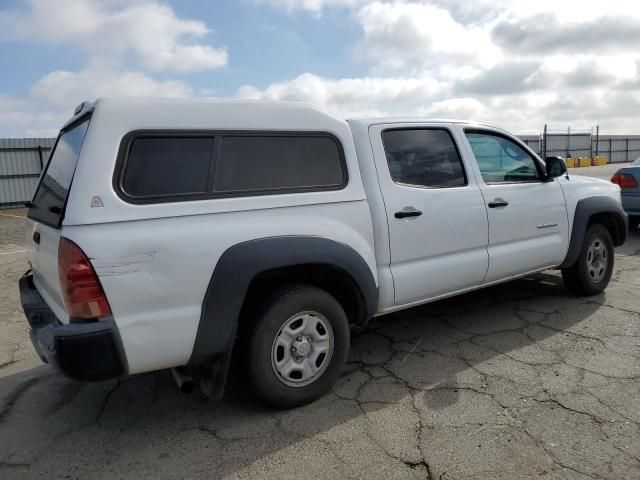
[(625, 180), (81, 289)]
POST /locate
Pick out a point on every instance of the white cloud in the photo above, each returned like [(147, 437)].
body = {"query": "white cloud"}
[(349, 96), (110, 30), (544, 33), (516, 63), (20, 117), (315, 6), (521, 111), (370, 96), (478, 11), (67, 89), (461, 107), (52, 99), (113, 33), (414, 36), (566, 11)]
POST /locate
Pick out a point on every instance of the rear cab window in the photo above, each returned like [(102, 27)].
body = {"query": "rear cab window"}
[(51, 195), (423, 157), (164, 167)]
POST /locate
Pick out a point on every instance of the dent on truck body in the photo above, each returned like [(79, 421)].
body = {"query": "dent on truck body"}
[(123, 265)]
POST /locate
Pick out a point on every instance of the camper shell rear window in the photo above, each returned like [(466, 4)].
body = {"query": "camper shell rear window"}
[(50, 199)]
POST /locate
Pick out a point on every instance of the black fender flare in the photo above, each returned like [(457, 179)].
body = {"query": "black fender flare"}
[(585, 209), (240, 264)]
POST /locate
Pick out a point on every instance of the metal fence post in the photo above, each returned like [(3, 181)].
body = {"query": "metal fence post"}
[(40, 157), (626, 151)]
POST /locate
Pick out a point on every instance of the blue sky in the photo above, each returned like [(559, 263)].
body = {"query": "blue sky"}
[(265, 44), (506, 62)]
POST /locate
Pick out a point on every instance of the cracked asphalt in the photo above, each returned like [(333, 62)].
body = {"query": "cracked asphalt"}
[(520, 380)]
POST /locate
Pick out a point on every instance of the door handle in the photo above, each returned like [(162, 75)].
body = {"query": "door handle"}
[(408, 212), (498, 202)]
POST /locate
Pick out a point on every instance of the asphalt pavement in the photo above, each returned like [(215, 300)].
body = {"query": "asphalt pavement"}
[(520, 380)]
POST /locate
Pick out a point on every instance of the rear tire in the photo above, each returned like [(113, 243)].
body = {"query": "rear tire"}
[(592, 271), (297, 346), (634, 222)]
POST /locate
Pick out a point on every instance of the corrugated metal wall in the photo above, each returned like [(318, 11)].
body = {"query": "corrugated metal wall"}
[(619, 148), (533, 141), (564, 145), (21, 161)]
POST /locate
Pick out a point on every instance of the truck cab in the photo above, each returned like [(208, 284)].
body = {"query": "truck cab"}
[(485, 216)]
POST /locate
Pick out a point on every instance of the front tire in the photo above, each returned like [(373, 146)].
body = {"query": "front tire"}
[(592, 271), (297, 346), (634, 222)]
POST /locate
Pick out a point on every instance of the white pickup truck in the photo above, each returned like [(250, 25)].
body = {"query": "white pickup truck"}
[(183, 234)]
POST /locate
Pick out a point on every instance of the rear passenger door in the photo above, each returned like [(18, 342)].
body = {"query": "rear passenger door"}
[(436, 214)]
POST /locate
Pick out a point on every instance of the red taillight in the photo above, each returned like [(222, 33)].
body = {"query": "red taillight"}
[(81, 290), (625, 180)]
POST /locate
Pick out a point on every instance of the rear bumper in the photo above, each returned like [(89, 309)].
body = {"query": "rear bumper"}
[(82, 351)]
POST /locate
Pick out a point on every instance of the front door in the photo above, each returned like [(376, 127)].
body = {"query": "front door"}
[(528, 226), (437, 219)]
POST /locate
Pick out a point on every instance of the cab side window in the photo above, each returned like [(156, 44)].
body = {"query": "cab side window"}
[(502, 160), (423, 157)]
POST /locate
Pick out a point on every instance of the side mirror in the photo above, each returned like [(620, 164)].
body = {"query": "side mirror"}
[(556, 166)]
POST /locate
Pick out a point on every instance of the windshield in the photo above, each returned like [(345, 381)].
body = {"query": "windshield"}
[(636, 163), (51, 195)]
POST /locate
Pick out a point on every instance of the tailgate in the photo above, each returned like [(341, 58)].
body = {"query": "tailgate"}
[(42, 251), (47, 212)]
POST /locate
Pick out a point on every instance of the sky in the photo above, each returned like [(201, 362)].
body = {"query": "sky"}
[(517, 64)]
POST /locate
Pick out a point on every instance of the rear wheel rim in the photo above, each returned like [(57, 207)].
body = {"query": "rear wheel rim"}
[(302, 349), (597, 260)]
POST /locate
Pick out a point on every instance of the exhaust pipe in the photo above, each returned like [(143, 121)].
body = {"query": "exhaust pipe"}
[(185, 383)]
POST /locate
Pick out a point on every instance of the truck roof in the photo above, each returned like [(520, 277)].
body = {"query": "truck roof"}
[(247, 113), (387, 120), (203, 113)]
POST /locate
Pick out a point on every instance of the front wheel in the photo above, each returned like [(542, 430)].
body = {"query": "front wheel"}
[(591, 272), (298, 345)]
